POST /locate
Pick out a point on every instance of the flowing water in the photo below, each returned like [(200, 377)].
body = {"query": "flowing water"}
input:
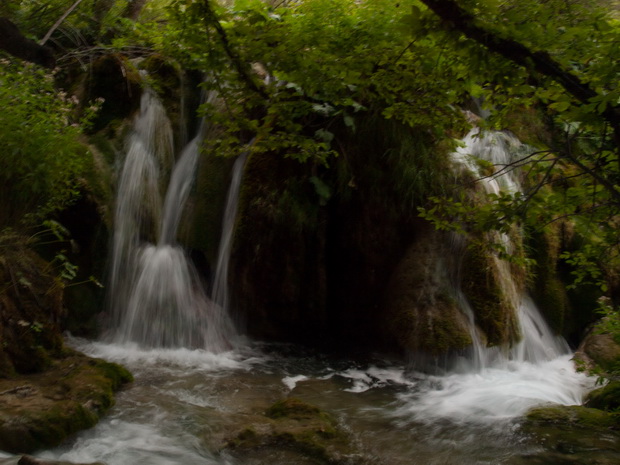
[(152, 278), (189, 396), (185, 403)]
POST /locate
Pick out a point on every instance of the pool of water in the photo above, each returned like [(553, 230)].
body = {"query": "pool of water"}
[(184, 405)]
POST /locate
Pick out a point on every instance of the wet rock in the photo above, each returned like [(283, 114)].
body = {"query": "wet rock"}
[(605, 398), (572, 435), (421, 313), (598, 350), (29, 460), (297, 430), (40, 410)]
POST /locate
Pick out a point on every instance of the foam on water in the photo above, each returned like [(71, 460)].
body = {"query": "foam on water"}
[(494, 393), (119, 442), (375, 377), (139, 359)]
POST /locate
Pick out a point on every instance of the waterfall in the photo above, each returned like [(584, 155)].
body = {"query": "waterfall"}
[(538, 342), (220, 282), (156, 296)]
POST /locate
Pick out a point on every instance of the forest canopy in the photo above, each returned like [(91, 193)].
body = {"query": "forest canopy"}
[(292, 74)]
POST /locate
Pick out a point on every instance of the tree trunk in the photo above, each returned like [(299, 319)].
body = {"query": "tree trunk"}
[(13, 42)]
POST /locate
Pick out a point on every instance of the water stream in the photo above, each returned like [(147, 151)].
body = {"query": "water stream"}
[(191, 392), (185, 403), (152, 279)]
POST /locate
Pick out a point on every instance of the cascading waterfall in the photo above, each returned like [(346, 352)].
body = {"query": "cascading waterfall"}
[(220, 282), (498, 383), (157, 299), (538, 343)]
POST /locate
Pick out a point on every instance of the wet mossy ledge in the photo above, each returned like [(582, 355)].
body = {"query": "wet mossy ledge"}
[(298, 431), (574, 434), (47, 391), (41, 410)]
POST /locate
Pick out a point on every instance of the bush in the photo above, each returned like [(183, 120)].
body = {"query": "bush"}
[(39, 145)]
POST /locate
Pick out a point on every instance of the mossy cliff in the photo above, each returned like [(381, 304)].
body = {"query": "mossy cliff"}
[(488, 289)]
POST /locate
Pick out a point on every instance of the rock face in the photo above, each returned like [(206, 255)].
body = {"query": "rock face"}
[(421, 307), (341, 255)]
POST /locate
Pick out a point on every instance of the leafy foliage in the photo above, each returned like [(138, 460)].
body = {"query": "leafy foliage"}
[(42, 156)]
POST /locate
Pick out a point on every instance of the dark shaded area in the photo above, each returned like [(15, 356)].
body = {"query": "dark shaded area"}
[(15, 43)]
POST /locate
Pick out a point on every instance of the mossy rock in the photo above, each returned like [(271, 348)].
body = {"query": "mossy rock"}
[(41, 410), (573, 435), (548, 291), (30, 308), (482, 285), (599, 352), (298, 429), (117, 81), (572, 416), (421, 312), (605, 398)]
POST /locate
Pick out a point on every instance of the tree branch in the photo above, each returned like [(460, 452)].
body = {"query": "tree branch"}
[(59, 22), (13, 42), (451, 13), (242, 68)]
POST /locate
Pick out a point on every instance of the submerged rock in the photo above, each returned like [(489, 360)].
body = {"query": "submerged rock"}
[(573, 435), (29, 460), (41, 410), (295, 430)]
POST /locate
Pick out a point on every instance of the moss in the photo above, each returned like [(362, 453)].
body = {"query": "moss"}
[(421, 313), (292, 408), (530, 125), (481, 284), (42, 410), (549, 291), (209, 198), (605, 398), (573, 416), (300, 428)]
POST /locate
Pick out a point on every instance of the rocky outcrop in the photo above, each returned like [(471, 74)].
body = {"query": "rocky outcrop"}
[(573, 435), (47, 391), (422, 312), (302, 432), (31, 309), (598, 352), (41, 410)]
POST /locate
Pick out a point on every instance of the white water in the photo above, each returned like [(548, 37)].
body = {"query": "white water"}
[(184, 403), (221, 280), (157, 298)]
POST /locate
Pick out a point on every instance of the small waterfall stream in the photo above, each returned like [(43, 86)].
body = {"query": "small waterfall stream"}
[(157, 297), (220, 282)]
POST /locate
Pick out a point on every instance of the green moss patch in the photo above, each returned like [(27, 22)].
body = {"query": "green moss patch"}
[(43, 409), (606, 398), (299, 430)]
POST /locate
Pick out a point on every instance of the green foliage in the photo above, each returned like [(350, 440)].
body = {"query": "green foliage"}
[(315, 65), (41, 153)]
